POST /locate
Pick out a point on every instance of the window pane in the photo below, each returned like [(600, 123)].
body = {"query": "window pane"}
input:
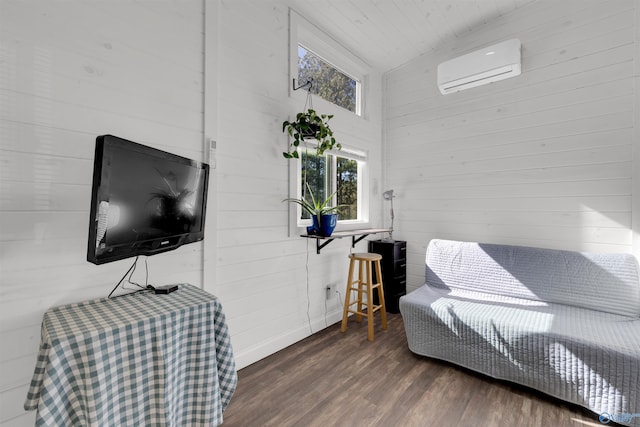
[(329, 83), (318, 172), (347, 183), (315, 174)]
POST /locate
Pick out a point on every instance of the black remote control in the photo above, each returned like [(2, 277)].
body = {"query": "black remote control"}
[(165, 289)]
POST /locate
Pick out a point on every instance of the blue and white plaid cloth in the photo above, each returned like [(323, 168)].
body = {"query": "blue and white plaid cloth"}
[(136, 360)]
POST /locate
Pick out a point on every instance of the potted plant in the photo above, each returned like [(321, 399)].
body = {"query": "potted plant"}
[(309, 126), (323, 217)]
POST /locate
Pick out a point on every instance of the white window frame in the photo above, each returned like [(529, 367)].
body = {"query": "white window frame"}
[(302, 32), (311, 37), (299, 225)]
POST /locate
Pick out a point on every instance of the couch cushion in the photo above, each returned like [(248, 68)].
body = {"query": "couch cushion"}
[(604, 282), (587, 357)]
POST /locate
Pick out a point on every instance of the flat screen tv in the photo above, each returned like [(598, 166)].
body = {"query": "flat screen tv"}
[(144, 201)]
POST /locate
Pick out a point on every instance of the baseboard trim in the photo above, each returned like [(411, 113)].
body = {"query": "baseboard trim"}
[(267, 348)]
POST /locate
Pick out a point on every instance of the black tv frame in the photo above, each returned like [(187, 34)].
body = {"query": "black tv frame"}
[(150, 246)]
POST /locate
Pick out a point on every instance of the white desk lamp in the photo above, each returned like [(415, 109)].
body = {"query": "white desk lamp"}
[(388, 195)]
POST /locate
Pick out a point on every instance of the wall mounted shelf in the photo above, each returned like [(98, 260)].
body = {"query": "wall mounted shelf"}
[(356, 236)]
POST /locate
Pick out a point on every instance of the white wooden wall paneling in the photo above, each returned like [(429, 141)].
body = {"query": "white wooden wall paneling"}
[(70, 70), (93, 55), (258, 268), (16, 253), (415, 257), (542, 229), (616, 239), (239, 219), (529, 85), (570, 204), (259, 251), (247, 198), (86, 119), (487, 149), (586, 86), (542, 160), (15, 370), (410, 27), (607, 26), (599, 125), (248, 167), (595, 187), (10, 407), (635, 209), (269, 216), (518, 124), (537, 23), (122, 22), (75, 70), (44, 196), (561, 219), (408, 113), (264, 322), (599, 18), (233, 271), (248, 236), (540, 118), (26, 340), (41, 140), (23, 278), (349, 34), (262, 273), (549, 54), (527, 90), (528, 161), (389, 12)]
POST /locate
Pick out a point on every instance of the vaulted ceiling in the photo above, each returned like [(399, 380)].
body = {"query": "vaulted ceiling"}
[(389, 33)]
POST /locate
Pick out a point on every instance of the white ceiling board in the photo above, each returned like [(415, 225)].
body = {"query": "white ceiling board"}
[(388, 33)]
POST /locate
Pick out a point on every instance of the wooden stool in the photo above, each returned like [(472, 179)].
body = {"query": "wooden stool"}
[(364, 285)]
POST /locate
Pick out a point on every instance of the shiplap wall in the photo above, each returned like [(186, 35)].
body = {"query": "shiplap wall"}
[(542, 159), (273, 285), (72, 70)]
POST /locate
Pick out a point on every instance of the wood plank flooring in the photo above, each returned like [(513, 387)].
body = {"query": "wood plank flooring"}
[(336, 379)]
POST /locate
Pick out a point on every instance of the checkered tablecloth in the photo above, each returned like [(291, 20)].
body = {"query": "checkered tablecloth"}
[(135, 360)]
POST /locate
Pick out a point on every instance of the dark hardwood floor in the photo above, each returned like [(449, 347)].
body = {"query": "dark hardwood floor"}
[(336, 379)]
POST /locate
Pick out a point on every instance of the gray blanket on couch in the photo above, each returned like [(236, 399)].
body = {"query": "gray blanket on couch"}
[(564, 323)]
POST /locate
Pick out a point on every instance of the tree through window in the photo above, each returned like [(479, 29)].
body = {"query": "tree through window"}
[(331, 173), (347, 187), (329, 83)]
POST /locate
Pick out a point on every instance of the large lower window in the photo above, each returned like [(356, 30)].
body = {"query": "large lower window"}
[(334, 173)]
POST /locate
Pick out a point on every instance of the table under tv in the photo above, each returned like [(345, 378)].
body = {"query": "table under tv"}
[(137, 359)]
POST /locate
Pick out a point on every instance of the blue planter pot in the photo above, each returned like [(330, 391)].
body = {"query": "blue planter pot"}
[(326, 226)]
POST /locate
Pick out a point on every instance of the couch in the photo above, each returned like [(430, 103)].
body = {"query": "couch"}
[(564, 323)]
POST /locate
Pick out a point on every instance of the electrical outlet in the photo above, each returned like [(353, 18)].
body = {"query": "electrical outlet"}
[(330, 290)]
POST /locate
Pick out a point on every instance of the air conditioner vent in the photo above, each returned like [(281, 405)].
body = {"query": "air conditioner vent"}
[(491, 64)]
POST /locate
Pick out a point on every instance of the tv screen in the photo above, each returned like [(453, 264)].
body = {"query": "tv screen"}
[(144, 201)]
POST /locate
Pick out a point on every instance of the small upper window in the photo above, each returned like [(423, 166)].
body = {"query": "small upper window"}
[(329, 82)]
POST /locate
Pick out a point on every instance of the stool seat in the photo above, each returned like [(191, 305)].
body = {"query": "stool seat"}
[(365, 256), (364, 285)]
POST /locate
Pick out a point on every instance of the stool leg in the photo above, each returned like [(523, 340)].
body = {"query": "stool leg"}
[(381, 295), (360, 287), (347, 297), (369, 303)]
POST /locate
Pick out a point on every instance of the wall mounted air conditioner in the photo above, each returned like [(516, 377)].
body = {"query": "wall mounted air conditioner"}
[(498, 62)]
